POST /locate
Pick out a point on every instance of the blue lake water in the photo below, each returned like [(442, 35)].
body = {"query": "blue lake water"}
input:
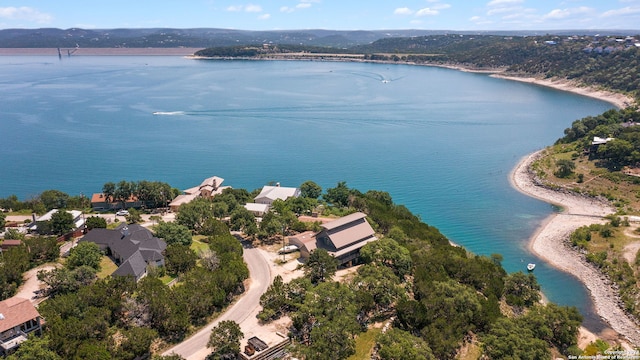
[(442, 142)]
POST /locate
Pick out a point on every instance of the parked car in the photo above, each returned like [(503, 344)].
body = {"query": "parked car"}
[(122, 213)]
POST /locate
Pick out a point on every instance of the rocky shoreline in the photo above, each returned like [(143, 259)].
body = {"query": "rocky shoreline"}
[(551, 242)]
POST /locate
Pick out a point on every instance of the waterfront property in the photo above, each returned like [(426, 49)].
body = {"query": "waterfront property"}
[(132, 247), (342, 238), (207, 189), (78, 219), (18, 318), (100, 202), (269, 194)]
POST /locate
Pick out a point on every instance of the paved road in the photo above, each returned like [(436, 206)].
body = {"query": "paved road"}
[(195, 347)]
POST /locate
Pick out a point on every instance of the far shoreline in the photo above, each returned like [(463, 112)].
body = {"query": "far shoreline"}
[(619, 100)]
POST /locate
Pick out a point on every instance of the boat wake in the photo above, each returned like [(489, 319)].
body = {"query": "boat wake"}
[(168, 113)]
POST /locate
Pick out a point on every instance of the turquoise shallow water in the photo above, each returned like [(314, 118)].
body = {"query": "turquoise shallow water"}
[(441, 142)]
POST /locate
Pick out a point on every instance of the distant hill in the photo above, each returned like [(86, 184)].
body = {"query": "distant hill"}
[(212, 37)]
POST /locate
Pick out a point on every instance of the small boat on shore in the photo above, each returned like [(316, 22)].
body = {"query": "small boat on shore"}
[(531, 266)]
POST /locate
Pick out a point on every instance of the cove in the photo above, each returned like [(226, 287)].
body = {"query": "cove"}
[(441, 142)]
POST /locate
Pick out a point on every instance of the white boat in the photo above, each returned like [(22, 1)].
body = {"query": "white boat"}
[(287, 249), (531, 266)]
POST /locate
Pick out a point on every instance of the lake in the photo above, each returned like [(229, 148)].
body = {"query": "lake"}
[(441, 142)]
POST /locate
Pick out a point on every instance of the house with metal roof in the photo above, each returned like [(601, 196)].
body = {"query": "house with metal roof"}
[(342, 238), (78, 219), (131, 246), (269, 194), (18, 318)]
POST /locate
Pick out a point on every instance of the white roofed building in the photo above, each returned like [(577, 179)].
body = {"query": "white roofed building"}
[(269, 194)]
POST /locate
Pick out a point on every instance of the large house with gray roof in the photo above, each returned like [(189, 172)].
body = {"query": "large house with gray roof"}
[(131, 246), (342, 238)]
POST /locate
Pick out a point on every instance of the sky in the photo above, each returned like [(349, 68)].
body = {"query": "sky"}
[(323, 14)]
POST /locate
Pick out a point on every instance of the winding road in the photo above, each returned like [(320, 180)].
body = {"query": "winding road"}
[(242, 311)]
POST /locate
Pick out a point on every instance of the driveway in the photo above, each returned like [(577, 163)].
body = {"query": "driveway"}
[(247, 306), (31, 284)]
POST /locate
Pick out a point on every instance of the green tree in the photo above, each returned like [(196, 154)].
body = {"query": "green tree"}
[(396, 344), (96, 222), (35, 348), (54, 199), (194, 214), (273, 301), (378, 288), (321, 266), (338, 196), (310, 189), (224, 340), (134, 216), (42, 249), (173, 233), (387, 252), (61, 222), (14, 262), (109, 191), (243, 220), (124, 190), (180, 258), (521, 289), (3, 218), (326, 322), (565, 168), (508, 340), (136, 342), (62, 281), (84, 254)]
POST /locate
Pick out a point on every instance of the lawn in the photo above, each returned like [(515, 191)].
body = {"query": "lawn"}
[(107, 267), (197, 245), (364, 344)]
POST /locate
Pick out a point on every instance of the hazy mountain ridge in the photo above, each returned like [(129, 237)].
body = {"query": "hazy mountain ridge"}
[(210, 37)]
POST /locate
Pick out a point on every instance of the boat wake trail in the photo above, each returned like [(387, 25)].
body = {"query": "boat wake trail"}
[(169, 113)]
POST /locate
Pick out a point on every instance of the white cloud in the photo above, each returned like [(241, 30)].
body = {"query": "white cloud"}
[(303, 4), (25, 13), (629, 10), (427, 12), (253, 8), (403, 11), (504, 2), (246, 8), (441, 6), (264, 16), (564, 13), (502, 10)]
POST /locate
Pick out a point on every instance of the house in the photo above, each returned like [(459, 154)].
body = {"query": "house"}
[(18, 317), (99, 202), (9, 243), (269, 194), (209, 188), (78, 219), (258, 210), (342, 238), (132, 247)]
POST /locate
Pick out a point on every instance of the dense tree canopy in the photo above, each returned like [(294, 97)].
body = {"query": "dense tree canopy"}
[(173, 233)]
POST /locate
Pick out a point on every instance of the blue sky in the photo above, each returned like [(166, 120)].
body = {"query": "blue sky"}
[(324, 14)]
